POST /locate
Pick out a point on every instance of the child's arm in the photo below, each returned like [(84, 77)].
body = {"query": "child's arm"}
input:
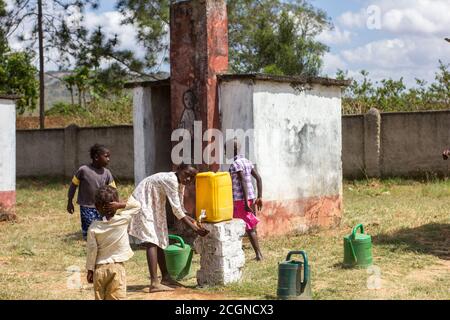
[(91, 257), (258, 201), (244, 189), (70, 195)]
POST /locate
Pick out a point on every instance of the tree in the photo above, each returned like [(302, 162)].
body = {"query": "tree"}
[(17, 74), (278, 38), (49, 20)]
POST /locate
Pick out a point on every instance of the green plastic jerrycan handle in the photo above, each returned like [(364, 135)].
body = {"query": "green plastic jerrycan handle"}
[(305, 263), (355, 230), (178, 238)]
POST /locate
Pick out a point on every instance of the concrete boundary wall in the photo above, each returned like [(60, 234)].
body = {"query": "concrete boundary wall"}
[(59, 152), (400, 144), (386, 145)]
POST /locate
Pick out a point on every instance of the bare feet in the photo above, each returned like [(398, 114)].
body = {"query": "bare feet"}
[(159, 287), (259, 257), (171, 283)]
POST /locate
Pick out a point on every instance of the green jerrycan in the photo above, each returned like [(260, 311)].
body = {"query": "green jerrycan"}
[(178, 258), (294, 281), (357, 249)]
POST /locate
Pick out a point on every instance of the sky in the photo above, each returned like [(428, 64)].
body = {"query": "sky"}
[(389, 39)]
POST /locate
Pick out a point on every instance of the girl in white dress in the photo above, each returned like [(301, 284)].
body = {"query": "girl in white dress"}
[(149, 225)]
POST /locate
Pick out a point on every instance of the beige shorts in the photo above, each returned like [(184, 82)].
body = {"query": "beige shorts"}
[(110, 282)]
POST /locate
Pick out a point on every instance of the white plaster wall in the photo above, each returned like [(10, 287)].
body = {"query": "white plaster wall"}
[(297, 135), (7, 145), (236, 109), (298, 140)]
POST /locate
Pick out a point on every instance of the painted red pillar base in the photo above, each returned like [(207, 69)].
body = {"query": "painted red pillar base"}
[(288, 216), (7, 200)]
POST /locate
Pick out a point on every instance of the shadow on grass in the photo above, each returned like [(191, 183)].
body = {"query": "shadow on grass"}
[(73, 237), (431, 239)]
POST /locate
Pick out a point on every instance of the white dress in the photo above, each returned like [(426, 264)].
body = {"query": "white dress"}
[(150, 224)]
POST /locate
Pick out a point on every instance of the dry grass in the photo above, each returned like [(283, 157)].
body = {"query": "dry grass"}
[(408, 220)]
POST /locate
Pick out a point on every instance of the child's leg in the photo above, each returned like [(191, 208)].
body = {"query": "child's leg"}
[(165, 279), (116, 288), (88, 215), (152, 261), (255, 244)]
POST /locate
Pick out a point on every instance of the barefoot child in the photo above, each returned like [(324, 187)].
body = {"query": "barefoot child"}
[(108, 246), (244, 197), (149, 226), (89, 178)]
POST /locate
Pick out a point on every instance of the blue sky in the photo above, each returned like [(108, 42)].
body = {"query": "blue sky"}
[(388, 38)]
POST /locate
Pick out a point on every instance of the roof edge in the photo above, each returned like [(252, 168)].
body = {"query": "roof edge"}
[(9, 96), (291, 79)]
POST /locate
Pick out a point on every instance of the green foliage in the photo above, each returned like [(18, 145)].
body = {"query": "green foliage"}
[(66, 109), (18, 76), (98, 112), (390, 95), (277, 39)]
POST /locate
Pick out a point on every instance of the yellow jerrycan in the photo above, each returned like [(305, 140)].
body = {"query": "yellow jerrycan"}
[(214, 195)]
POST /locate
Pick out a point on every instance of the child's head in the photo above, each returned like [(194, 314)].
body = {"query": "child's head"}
[(103, 196), (186, 173), (234, 146), (100, 155)]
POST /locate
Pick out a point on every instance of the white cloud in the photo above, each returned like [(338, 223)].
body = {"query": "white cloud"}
[(353, 19), (430, 17), (333, 62), (335, 36), (109, 21), (409, 57)]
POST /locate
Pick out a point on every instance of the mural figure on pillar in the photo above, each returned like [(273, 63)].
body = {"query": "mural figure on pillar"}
[(190, 113)]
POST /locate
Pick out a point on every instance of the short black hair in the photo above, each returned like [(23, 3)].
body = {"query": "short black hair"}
[(186, 166), (96, 150), (105, 195)]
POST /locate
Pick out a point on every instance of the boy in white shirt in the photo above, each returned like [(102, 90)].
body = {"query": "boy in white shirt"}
[(108, 245)]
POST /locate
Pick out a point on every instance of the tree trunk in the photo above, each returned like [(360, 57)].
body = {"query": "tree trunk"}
[(41, 68), (71, 96)]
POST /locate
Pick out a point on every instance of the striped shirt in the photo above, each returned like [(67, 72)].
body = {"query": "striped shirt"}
[(242, 164)]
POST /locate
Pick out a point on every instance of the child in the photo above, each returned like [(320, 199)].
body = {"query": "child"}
[(241, 171), (149, 226), (89, 178), (108, 246)]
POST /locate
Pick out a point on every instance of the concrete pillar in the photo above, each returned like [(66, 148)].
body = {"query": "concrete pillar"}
[(372, 143), (198, 52), (221, 254), (142, 140), (71, 161), (7, 155), (151, 129)]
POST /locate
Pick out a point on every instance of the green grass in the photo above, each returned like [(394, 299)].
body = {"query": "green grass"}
[(408, 220)]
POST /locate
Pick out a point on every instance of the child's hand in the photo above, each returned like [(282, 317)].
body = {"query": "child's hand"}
[(258, 204), (90, 276), (248, 208), (446, 154), (202, 232), (70, 208), (112, 207)]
